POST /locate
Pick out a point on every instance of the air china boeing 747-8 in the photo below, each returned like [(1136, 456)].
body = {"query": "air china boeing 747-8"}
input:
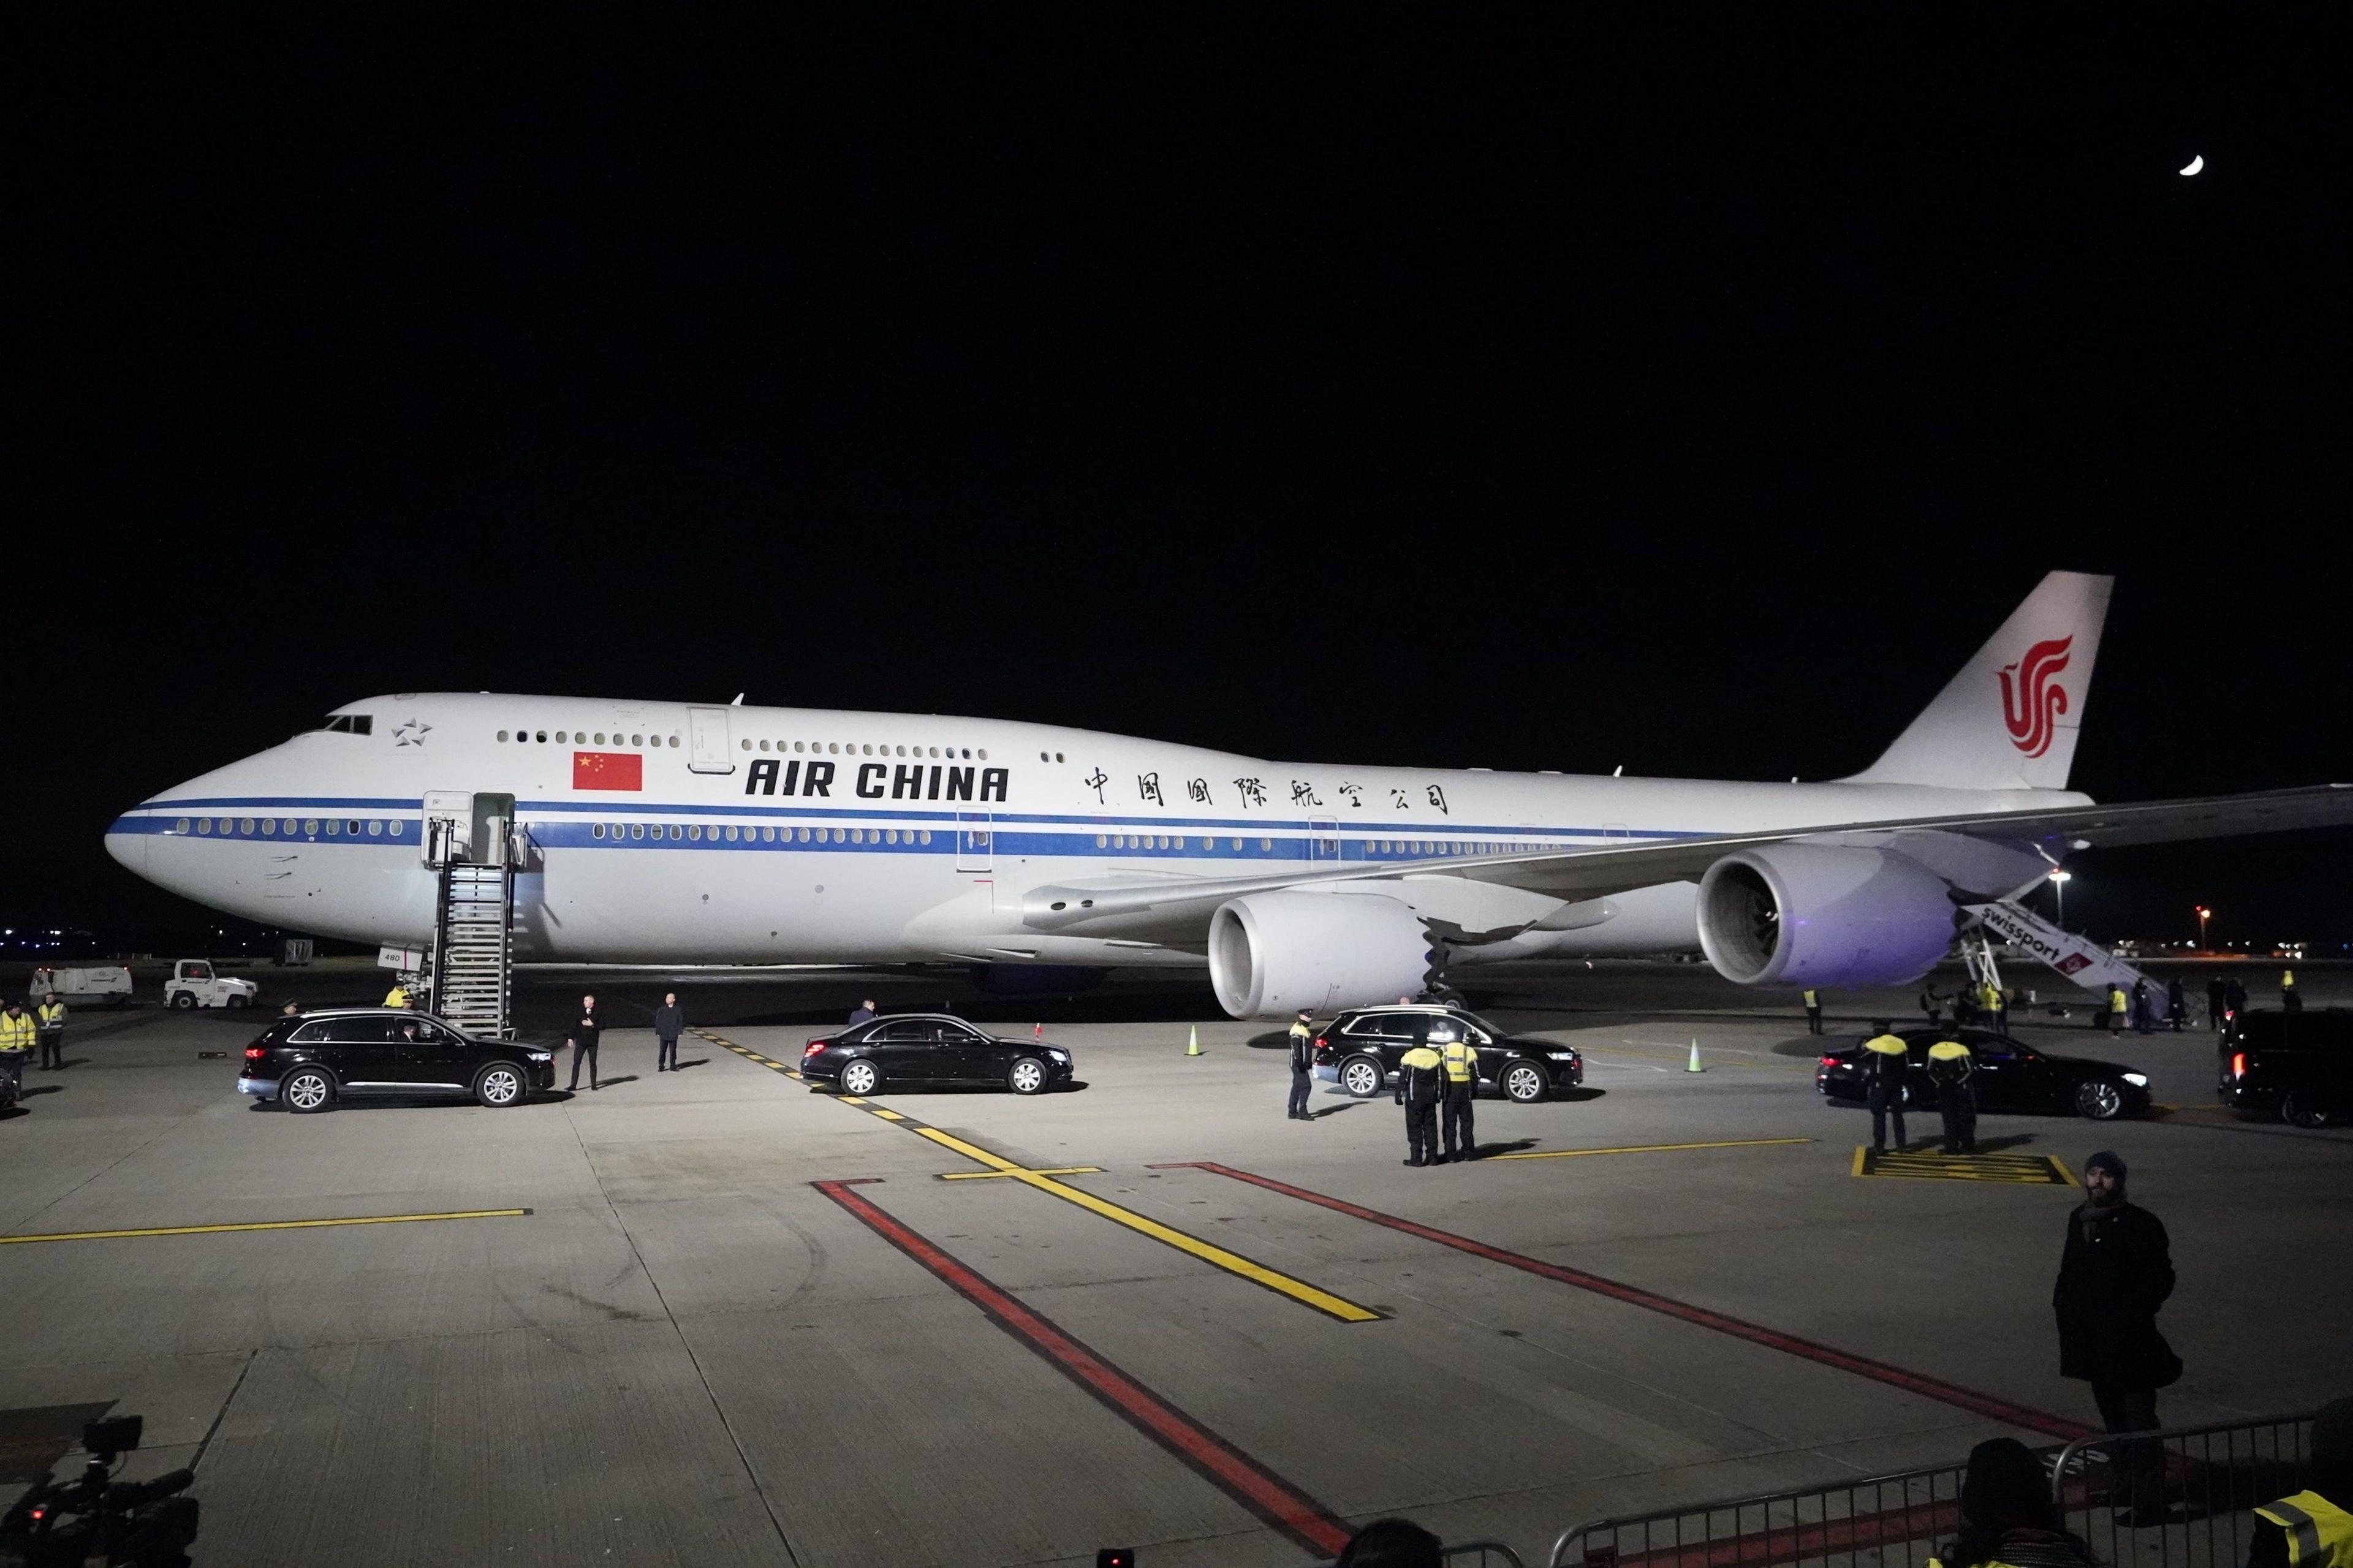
[(666, 833)]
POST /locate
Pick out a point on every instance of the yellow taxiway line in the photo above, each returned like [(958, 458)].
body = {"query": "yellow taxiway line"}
[(1645, 1149), (262, 1224)]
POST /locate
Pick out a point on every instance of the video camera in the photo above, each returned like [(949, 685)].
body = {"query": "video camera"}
[(124, 1524)]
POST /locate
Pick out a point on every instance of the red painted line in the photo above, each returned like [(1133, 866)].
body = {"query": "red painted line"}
[(1281, 1504), (1927, 1387)]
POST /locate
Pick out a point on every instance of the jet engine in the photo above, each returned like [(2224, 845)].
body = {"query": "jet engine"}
[(1274, 953), (1822, 914)]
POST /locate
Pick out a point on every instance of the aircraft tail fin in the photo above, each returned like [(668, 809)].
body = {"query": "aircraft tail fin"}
[(2009, 719)]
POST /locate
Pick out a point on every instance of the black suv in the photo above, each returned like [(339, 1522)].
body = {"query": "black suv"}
[(313, 1060), (1361, 1048), (2297, 1066)]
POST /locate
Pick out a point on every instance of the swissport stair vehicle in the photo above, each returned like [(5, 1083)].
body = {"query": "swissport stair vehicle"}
[(2075, 959)]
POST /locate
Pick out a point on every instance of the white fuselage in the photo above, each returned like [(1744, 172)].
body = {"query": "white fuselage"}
[(766, 835)]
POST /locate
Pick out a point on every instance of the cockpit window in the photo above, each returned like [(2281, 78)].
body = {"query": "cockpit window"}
[(350, 723)]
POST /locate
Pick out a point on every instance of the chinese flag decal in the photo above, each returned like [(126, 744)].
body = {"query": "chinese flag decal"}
[(607, 770)]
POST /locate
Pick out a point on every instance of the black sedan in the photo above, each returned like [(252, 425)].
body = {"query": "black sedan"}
[(313, 1060), (2010, 1076), (911, 1049), (1361, 1046)]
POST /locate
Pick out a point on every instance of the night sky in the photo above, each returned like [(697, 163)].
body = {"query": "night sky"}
[(1514, 387)]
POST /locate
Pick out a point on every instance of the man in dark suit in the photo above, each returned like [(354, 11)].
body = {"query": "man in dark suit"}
[(585, 1029), (2114, 1272)]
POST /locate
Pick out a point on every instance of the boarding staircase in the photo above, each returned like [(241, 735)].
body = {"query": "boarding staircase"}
[(2077, 960), (471, 842)]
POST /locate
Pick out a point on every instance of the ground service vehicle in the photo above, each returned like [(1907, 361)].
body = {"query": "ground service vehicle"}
[(2295, 1065), (1361, 1046), (313, 1060), (195, 983), (930, 1048), (107, 982), (2009, 1076)]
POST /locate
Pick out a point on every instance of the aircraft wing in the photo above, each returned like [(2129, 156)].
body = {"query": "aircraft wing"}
[(1161, 903)]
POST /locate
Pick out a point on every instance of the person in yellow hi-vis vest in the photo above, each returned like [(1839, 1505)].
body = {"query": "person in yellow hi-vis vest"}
[(50, 1018), (1813, 1012), (1459, 1060), (1303, 1064), (2007, 1519), (2118, 1002), (1886, 1062), (398, 996), (1951, 1069), (2314, 1528), (2290, 1001)]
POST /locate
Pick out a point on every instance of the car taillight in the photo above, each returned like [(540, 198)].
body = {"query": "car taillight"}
[(254, 1053), (1321, 1043), (2238, 1064), (813, 1048), (1830, 1061)]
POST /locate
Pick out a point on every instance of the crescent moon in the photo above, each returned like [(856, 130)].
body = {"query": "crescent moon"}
[(2195, 163)]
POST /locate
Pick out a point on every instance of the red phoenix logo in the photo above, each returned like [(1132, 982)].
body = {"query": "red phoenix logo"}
[(2031, 704)]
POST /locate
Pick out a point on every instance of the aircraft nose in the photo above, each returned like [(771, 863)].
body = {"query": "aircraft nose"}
[(128, 845)]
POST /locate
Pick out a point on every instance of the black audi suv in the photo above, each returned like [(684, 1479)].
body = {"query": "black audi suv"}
[(909, 1050), (1361, 1046), (2297, 1066), (311, 1060)]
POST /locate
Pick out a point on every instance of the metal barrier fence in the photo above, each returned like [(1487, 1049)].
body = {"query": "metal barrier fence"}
[(2195, 1485)]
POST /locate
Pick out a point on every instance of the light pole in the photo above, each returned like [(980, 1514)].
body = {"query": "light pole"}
[(2059, 880), (2203, 913)]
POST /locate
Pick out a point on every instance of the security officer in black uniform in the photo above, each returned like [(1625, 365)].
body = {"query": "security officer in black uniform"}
[(1420, 1078), (1303, 1064), (1951, 1069), (1885, 1059), (1459, 1060)]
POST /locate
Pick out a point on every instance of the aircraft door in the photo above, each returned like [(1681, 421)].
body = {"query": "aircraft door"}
[(975, 846), (448, 825), (1324, 833), (706, 739)]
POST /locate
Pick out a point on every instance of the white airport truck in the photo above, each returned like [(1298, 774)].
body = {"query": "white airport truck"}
[(196, 984), (107, 982)]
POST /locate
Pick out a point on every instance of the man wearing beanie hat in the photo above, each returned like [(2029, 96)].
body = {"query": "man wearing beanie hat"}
[(2313, 1529), (2114, 1273)]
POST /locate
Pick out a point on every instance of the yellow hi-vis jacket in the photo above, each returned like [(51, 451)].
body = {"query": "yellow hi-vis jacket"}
[(2287, 979), (2116, 999), (1462, 1059), (1811, 1000), (1885, 1045), (51, 1015), (15, 1031), (396, 997), (2319, 1533), (1945, 1050)]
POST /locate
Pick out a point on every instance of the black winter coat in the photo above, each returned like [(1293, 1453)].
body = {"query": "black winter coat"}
[(2109, 1289)]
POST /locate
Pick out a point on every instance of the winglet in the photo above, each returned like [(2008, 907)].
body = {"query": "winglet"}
[(2009, 719)]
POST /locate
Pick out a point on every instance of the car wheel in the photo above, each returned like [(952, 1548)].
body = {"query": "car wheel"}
[(860, 1077), (499, 1085), (307, 1091), (1027, 1076), (1524, 1082), (183, 999), (1362, 1077), (2302, 1110), (2100, 1100), (240, 1001)]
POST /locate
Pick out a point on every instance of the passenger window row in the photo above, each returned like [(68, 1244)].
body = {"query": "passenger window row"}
[(1424, 848), (581, 738), (271, 827), (850, 748), (696, 833)]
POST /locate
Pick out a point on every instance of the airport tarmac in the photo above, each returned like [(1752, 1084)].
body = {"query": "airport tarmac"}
[(715, 1316)]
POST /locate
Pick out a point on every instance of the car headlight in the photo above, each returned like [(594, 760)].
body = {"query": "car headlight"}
[(1562, 1056), (2137, 1079), (1059, 1056), (541, 1055)]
